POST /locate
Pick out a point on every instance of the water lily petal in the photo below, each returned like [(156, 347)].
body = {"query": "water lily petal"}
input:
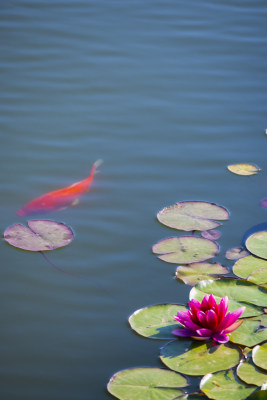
[(232, 317), (205, 332), (212, 302), (183, 332), (222, 308), (191, 325), (220, 337), (232, 327), (202, 319), (205, 303), (212, 320)]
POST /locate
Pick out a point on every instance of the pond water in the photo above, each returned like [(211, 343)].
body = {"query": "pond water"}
[(167, 93)]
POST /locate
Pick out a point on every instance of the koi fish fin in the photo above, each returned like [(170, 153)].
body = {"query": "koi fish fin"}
[(75, 202), (97, 164)]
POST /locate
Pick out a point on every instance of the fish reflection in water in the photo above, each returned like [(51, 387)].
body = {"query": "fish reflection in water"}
[(59, 199)]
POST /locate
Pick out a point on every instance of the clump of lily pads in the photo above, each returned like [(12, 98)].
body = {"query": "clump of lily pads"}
[(228, 353)]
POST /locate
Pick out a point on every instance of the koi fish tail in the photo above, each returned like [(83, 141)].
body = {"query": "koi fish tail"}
[(96, 165)]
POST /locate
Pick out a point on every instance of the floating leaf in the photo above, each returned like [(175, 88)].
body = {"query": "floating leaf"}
[(259, 276), (40, 236), (239, 293), (185, 249), (250, 374), (243, 169), (146, 384), (196, 272), (157, 321), (199, 358), (249, 333), (257, 244), (212, 234), (224, 386), (253, 229), (263, 203), (192, 215), (247, 265), (259, 355), (235, 253)]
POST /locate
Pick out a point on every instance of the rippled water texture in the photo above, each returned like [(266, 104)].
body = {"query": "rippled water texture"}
[(167, 93)]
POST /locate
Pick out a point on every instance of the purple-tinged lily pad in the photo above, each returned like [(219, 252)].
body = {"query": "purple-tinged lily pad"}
[(264, 203), (192, 215), (212, 234), (236, 253), (196, 272), (41, 235), (185, 249)]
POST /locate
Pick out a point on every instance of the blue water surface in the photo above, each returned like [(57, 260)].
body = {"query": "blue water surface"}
[(167, 93)]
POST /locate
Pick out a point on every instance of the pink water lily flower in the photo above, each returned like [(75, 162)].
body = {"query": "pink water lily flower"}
[(208, 320)]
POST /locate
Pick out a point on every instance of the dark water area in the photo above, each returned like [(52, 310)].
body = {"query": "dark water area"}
[(167, 93)]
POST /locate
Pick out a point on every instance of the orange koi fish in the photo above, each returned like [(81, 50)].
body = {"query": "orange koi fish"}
[(59, 199)]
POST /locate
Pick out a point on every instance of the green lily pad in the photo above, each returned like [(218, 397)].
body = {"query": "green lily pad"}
[(41, 235), (259, 355), (193, 215), (224, 386), (249, 333), (196, 272), (199, 358), (156, 321), (259, 395), (235, 253), (185, 249), (236, 289), (259, 276), (257, 244), (245, 266), (146, 384), (250, 374)]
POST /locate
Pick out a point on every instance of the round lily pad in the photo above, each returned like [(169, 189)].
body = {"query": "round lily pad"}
[(250, 374), (240, 293), (41, 235), (243, 169), (196, 272), (156, 321), (245, 266), (259, 355), (259, 276), (257, 244), (185, 249), (225, 385), (146, 384), (249, 333), (199, 358), (235, 253), (193, 215)]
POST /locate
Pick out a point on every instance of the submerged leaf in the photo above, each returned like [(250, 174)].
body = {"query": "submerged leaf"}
[(192, 215), (211, 234), (263, 203), (195, 358), (243, 169), (185, 249), (224, 386), (235, 253), (146, 384), (41, 235), (193, 273), (155, 322), (257, 244)]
